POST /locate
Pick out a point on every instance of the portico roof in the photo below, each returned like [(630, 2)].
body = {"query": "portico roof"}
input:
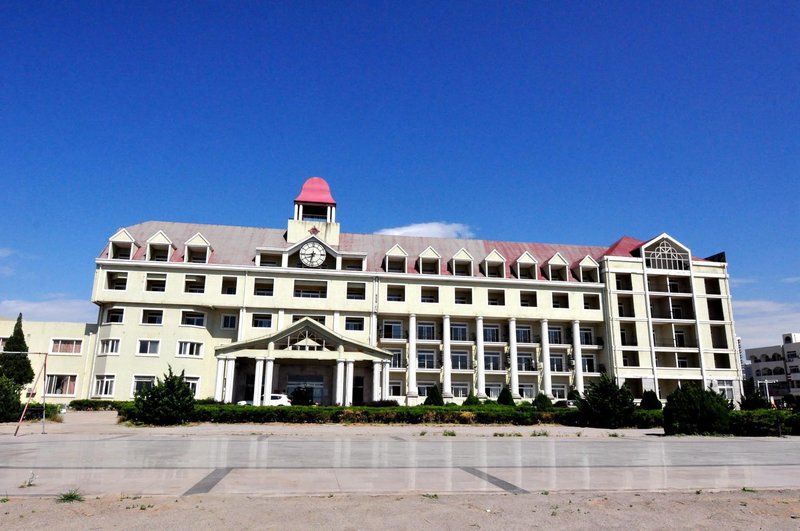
[(305, 339)]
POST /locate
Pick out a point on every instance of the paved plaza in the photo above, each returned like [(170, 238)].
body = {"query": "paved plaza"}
[(90, 452)]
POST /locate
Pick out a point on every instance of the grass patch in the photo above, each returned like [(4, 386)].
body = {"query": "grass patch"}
[(748, 489), (71, 496), (541, 433), (431, 496), (449, 433)]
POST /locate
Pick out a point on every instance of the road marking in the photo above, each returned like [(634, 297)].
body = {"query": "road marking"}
[(494, 480), (209, 482)]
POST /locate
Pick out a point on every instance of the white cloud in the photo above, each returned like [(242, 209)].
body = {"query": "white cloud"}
[(6, 271), (6, 252), (70, 310), (436, 229), (734, 281), (791, 280), (760, 323)]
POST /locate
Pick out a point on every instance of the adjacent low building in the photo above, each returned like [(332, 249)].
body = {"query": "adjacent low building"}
[(245, 311), (776, 369)]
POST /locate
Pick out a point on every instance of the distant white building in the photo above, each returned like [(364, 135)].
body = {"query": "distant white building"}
[(777, 368), (246, 311)]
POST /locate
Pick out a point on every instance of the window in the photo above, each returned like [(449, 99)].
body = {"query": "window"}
[(395, 264), (197, 255), (155, 282), (462, 268), (354, 323), (587, 336), (229, 285), (392, 330), (630, 359), (560, 300), (152, 316), (193, 319), (353, 264), (121, 251), (429, 266), (524, 334), (397, 358), (67, 346), (557, 362), (722, 361), (262, 320), (712, 286), (623, 281), (195, 284), (158, 252), (104, 385), (263, 287), (460, 360), (460, 390), (141, 383), (587, 363), (591, 302), (425, 388), (527, 390), (193, 382), (491, 361), (458, 332), (148, 347), (229, 322), (61, 384), (269, 259), (491, 333), (395, 293), (109, 346), (426, 331), (554, 335), (318, 318), (463, 296), (429, 295), (395, 388), (525, 362), (791, 355), (526, 271), (683, 362), (494, 269), (190, 348), (527, 299), (117, 281), (493, 390), (559, 391), (114, 315), (726, 388), (496, 297), (426, 359), (308, 289), (356, 291)]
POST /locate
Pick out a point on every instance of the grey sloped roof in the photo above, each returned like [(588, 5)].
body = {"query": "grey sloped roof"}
[(237, 245)]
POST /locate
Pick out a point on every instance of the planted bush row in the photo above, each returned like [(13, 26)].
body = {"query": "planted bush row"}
[(97, 405)]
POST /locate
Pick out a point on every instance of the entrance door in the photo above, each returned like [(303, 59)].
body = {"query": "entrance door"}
[(315, 384), (358, 390)]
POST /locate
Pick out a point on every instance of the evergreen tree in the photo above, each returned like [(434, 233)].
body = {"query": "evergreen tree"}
[(471, 400), (607, 405), (169, 402), (505, 398), (434, 397), (650, 401), (16, 367)]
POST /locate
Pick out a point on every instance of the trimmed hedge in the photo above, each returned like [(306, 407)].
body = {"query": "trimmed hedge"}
[(764, 423), (648, 418), (97, 405)]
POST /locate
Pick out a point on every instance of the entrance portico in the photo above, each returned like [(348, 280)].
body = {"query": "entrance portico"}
[(334, 369)]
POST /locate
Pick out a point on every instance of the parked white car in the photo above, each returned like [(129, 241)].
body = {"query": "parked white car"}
[(277, 400)]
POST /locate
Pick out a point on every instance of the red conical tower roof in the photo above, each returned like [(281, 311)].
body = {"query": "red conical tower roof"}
[(315, 190)]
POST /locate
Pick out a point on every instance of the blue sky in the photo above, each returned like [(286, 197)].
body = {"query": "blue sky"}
[(535, 121)]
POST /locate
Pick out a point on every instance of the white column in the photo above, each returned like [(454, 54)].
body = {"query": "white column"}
[(373, 329), (268, 385), (412, 356), (376, 380), (447, 361), (348, 386), (385, 386), (339, 382), (240, 324), (480, 392), (576, 353), (230, 368), (546, 382), (512, 347), (218, 388), (258, 390)]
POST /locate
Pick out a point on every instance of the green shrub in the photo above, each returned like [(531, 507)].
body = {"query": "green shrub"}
[(471, 400), (170, 401), (691, 409), (542, 402), (763, 423), (573, 394), (753, 401), (10, 406), (648, 418), (34, 412), (434, 397), (383, 403), (607, 405), (650, 401), (96, 405), (505, 398)]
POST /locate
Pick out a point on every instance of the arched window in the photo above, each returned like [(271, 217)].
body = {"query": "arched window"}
[(767, 372)]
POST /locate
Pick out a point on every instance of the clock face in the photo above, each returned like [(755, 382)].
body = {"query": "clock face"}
[(312, 254)]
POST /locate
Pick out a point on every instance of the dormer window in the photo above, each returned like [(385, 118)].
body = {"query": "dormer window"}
[(197, 255), (494, 266), (395, 264), (664, 255), (429, 266), (589, 270), (121, 251), (268, 259), (158, 253), (461, 264)]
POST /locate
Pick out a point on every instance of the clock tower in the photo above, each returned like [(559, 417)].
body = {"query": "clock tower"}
[(314, 214)]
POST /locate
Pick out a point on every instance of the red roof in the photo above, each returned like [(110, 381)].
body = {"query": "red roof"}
[(315, 190), (623, 247)]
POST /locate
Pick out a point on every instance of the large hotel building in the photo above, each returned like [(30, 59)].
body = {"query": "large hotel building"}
[(247, 311)]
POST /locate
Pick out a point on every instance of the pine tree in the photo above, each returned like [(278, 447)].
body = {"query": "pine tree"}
[(16, 367), (434, 397)]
